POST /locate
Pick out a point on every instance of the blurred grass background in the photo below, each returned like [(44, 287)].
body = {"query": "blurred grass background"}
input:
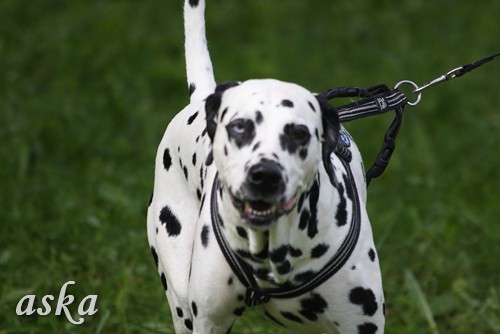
[(88, 87)]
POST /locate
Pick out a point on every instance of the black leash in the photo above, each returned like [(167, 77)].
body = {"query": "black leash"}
[(380, 99)]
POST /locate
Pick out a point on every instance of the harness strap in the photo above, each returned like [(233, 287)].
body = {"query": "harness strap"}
[(254, 294), (384, 156), (377, 100)]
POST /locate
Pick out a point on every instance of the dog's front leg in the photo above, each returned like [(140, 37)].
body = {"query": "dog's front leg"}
[(215, 294)]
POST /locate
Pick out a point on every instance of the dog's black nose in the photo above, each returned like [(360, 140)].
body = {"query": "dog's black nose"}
[(265, 178)]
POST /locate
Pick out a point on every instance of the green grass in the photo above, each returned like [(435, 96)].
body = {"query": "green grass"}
[(88, 87)]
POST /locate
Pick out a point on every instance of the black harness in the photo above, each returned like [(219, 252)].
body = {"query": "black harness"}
[(254, 294)]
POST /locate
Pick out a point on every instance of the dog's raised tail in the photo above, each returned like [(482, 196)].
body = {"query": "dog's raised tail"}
[(200, 75)]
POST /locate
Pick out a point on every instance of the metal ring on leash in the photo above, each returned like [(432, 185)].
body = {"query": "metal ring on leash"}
[(415, 86)]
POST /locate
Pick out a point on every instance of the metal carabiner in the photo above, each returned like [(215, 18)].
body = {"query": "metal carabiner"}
[(445, 77)]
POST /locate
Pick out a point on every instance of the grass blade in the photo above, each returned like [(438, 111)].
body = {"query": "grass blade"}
[(417, 293), (102, 323)]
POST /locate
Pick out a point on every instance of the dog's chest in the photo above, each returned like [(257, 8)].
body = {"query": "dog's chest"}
[(298, 245)]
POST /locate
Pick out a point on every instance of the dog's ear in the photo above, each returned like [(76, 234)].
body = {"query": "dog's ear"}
[(212, 105), (331, 125)]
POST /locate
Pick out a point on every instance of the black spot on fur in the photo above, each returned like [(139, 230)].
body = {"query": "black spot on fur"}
[(164, 281), (194, 3), (279, 254), (230, 281), (180, 314), (193, 160), (349, 189), (353, 268), (242, 232), (256, 146), (365, 298), (301, 201), (185, 170), (294, 137), (172, 224), (291, 316), (303, 153), (239, 311), (247, 255), (204, 235), (284, 268), (189, 324), (263, 254), (192, 118), (258, 117), (371, 254), (304, 219), (210, 159), (383, 309), (273, 319), (192, 86), (261, 273), (304, 276), (167, 159), (367, 328), (341, 215), (312, 106), (312, 227), (319, 250), (202, 203), (287, 103), (225, 150), (294, 252), (198, 193), (312, 306), (155, 255), (223, 114), (212, 105), (194, 308)]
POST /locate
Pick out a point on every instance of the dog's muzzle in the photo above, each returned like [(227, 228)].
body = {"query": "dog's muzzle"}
[(262, 197)]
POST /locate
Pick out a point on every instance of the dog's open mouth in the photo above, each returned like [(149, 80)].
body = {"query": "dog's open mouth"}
[(262, 212)]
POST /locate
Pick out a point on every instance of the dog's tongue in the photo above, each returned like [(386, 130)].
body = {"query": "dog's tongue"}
[(289, 205)]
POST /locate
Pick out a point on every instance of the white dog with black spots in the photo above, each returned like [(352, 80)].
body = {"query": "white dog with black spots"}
[(285, 202)]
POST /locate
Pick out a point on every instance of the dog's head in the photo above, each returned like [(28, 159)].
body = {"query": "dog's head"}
[(268, 138)]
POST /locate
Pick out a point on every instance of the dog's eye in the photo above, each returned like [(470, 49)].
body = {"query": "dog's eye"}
[(239, 127), (300, 134)]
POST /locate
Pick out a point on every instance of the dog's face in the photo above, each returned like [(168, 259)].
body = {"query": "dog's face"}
[(266, 143)]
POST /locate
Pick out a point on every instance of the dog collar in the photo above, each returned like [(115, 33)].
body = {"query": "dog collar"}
[(255, 295)]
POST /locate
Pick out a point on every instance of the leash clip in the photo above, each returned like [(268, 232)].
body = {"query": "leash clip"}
[(456, 72)]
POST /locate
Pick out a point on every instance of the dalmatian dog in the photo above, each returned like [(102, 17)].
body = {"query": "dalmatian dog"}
[(259, 201)]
